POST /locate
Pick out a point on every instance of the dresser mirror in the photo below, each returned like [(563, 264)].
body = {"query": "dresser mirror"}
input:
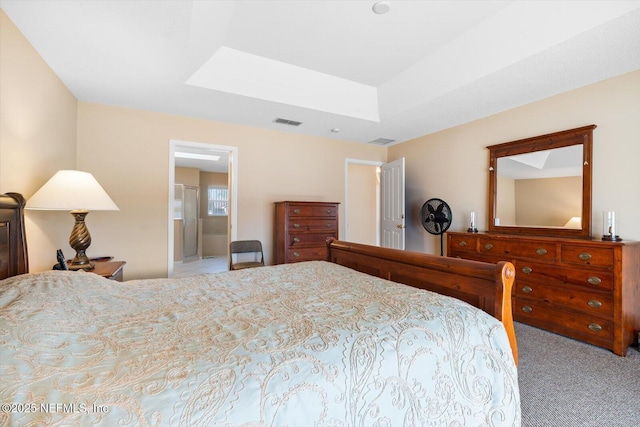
[(542, 185)]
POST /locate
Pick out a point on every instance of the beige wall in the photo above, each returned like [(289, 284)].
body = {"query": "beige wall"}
[(539, 202), (361, 220), (43, 129), (187, 176), (453, 164), (506, 194), (134, 170), (545, 202), (38, 118)]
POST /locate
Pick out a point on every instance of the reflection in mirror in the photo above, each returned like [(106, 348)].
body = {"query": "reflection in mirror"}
[(540, 189), (542, 185)]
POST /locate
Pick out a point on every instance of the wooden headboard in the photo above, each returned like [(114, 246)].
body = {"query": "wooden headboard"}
[(13, 241)]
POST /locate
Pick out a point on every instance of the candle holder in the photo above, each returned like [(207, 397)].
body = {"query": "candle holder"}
[(609, 227), (472, 228)]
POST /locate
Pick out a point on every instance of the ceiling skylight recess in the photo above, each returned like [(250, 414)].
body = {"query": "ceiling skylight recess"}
[(241, 73)]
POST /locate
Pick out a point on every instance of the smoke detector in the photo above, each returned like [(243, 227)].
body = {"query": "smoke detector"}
[(381, 7)]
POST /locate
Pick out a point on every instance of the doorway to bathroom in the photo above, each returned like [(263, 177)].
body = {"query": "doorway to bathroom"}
[(201, 221)]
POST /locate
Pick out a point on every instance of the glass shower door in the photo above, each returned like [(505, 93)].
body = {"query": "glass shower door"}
[(190, 219)]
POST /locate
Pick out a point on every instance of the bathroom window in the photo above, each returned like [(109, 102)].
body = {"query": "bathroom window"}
[(218, 200)]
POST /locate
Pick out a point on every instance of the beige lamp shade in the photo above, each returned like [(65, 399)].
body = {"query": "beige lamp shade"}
[(79, 193), (70, 190)]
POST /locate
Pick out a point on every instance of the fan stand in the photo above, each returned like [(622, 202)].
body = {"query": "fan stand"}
[(436, 218)]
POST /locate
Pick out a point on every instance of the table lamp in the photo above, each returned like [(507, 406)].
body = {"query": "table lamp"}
[(77, 192)]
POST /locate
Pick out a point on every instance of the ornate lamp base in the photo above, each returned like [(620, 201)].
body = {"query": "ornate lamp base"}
[(80, 240)]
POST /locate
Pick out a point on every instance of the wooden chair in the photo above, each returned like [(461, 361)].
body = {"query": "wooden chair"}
[(245, 247)]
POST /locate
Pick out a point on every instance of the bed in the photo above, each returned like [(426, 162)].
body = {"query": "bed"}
[(345, 342)]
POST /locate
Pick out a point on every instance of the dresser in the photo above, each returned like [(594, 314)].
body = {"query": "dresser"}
[(302, 229), (588, 290)]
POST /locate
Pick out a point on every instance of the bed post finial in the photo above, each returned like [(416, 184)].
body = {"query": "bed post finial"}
[(329, 242), (508, 273)]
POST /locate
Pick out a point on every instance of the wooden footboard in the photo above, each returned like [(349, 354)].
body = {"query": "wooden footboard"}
[(483, 285)]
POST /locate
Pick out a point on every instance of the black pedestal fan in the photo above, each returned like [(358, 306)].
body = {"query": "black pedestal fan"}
[(436, 218)]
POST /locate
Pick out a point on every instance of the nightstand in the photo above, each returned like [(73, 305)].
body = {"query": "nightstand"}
[(112, 270)]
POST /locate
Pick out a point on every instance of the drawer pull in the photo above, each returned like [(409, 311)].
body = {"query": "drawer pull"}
[(296, 254), (296, 240), (585, 256), (527, 309), (488, 246), (296, 225), (595, 327), (329, 225), (527, 270), (594, 280), (329, 211), (462, 243), (594, 303), (527, 290), (541, 251)]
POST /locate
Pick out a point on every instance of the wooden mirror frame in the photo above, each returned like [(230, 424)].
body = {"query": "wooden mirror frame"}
[(583, 136)]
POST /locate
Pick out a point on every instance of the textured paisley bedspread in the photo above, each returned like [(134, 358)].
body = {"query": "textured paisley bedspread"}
[(299, 345)]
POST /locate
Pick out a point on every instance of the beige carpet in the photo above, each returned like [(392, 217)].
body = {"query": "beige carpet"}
[(567, 383)]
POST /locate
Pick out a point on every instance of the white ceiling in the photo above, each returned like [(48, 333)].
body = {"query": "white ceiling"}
[(422, 67), (557, 162), (221, 165)]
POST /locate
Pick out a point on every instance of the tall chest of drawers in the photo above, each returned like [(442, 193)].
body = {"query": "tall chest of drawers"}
[(585, 289), (302, 229)]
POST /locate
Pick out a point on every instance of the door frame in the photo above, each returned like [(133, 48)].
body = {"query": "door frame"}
[(174, 146), (373, 163)]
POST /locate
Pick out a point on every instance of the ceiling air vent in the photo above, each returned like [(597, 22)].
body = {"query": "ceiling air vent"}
[(381, 141), (287, 122)]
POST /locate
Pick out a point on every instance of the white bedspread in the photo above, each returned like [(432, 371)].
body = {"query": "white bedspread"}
[(299, 344)]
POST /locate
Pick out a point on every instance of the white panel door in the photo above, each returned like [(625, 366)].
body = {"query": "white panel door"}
[(392, 217)]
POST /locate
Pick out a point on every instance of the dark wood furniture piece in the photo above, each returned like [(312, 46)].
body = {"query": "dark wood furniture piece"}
[(13, 241), (583, 289), (550, 142), (483, 285), (566, 282), (302, 228), (112, 270)]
